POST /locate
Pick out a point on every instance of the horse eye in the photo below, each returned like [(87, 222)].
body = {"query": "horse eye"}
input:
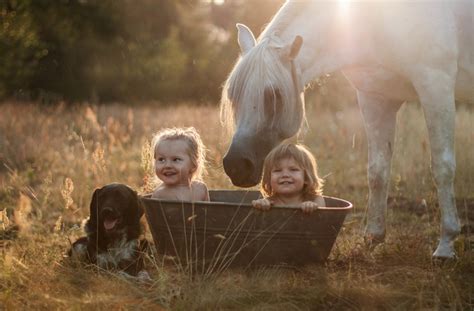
[(272, 98)]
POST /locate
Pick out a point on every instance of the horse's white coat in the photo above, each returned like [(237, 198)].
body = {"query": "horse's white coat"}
[(391, 51)]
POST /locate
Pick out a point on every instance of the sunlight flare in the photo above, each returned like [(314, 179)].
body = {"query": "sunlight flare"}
[(344, 6)]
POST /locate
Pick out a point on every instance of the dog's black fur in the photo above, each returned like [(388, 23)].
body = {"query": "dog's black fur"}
[(113, 231)]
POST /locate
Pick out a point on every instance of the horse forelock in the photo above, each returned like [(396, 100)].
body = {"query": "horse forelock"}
[(243, 94)]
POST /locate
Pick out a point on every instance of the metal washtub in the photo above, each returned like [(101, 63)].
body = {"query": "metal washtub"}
[(228, 231)]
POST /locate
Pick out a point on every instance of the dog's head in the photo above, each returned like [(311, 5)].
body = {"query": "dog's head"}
[(115, 209)]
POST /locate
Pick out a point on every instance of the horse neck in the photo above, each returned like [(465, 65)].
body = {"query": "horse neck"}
[(332, 38)]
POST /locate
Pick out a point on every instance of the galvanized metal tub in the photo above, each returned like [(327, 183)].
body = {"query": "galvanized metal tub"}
[(228, 231)]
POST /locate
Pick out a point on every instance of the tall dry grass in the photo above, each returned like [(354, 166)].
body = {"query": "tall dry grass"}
[(52, 158)]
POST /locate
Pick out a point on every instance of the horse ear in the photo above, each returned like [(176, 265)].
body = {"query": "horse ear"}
[(245, 38), (295, 47)]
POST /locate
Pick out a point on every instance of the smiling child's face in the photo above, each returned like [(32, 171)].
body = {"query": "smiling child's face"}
[(287, 178), (173, 165)]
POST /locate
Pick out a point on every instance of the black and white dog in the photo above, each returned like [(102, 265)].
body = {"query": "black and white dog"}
[(113, 232)]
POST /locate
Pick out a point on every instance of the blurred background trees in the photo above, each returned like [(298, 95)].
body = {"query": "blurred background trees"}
[(122, 50)]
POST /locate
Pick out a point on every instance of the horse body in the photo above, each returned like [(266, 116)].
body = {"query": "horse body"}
[(390, 51), (399, 37)]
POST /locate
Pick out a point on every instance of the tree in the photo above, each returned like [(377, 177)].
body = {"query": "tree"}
[(20, 46), (115, 50)]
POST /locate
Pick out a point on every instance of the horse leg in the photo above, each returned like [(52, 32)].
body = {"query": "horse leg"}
[(380, 121), (436, 94)]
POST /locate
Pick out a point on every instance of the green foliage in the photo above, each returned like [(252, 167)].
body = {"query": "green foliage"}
[(73, 32), (20, 46), (50, 46), (119, 50)]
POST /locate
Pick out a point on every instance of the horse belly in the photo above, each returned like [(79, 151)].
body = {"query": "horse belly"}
[(441, 40), (465, 77), (378, 80)]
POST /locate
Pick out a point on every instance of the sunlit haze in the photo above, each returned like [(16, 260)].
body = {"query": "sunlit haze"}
[(344, 4), (218, 2)]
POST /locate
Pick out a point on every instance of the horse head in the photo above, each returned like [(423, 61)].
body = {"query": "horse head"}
[(262, 102)]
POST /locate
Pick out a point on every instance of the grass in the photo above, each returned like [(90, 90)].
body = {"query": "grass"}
[(52, 158)]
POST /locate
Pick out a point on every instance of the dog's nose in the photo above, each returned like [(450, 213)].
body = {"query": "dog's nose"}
[(108, 211)]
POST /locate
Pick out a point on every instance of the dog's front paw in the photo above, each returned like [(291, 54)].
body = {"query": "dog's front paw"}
[(142, 276), (78, 250)]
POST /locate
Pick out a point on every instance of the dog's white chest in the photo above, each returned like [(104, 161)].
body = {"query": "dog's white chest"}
[(118, 252)]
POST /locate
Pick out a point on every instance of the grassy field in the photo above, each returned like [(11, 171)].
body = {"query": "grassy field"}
[(52, 158)]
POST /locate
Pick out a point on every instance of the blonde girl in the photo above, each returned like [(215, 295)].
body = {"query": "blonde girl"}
[(290, 178), (179, 156)]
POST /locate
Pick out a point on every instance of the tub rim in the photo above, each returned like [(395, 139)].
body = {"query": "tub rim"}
[(148, 197)]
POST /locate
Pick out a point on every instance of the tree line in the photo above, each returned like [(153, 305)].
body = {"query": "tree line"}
[(121, 50)]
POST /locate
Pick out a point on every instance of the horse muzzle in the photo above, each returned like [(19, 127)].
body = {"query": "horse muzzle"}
[(242, 171), (243, 162)]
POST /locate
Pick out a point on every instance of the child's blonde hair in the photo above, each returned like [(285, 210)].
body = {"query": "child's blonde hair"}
[(313, 185), (196, 149)]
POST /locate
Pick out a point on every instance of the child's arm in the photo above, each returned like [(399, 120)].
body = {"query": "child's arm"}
[(310, 206), (262, 204)]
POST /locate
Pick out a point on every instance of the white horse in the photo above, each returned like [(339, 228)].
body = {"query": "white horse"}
[(391, 51)]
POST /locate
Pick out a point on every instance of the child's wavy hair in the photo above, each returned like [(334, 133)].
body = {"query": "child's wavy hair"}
[(313, 185), (196, 148)]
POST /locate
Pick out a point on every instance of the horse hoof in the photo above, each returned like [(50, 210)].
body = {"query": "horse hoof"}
[(444, 261), (443, 254)]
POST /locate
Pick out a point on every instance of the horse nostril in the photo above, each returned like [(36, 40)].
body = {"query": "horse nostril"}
[(229, 166), (247, 165), (238, 167)]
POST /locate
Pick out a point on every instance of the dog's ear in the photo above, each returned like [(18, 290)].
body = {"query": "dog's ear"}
[(134, 213), (140, 209), (92, 223)]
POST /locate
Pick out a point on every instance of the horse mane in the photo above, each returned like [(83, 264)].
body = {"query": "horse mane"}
[(262, 66)]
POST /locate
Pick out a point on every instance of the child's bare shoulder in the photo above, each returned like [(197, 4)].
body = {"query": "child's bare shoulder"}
[(200, 191), (196, 184)]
